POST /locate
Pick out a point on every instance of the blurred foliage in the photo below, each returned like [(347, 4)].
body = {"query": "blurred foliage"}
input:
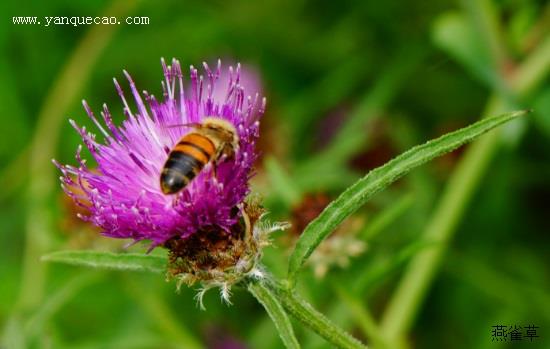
[(350, 84)]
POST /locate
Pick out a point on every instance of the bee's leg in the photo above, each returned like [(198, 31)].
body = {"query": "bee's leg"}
[(175, 199), (214, 170)]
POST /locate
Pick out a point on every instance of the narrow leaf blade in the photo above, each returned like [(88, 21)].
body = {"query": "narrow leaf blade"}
[(276, 313), (376, 180), (109, 260)]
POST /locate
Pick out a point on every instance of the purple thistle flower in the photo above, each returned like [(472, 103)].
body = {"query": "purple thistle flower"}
[(123, 195)]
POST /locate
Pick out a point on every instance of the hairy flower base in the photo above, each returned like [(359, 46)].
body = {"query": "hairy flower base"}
[(215, 258)]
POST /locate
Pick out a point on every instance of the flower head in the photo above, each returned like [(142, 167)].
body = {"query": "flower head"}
[(123, 194)]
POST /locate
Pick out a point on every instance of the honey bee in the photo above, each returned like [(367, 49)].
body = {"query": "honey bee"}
[(209, 141)]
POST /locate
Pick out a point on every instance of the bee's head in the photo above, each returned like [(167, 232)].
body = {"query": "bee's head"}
[(223, 131)]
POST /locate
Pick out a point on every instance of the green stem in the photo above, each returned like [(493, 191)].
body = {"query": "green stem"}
[(276, 313), (463, 183), (316, 321)]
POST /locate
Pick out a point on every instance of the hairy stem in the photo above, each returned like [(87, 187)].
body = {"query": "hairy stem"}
[(276, 312), (314, 320)]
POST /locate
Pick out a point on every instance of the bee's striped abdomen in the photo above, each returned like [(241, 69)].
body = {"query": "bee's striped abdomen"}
[(185, 161)]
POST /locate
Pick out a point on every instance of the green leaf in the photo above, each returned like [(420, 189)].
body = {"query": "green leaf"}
[(109, 260), (376, 180), (276, 313)]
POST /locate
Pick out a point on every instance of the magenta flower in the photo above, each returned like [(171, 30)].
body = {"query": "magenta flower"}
[(123, 195)]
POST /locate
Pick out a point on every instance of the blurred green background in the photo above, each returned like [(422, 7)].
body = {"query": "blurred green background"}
[(350, 84)]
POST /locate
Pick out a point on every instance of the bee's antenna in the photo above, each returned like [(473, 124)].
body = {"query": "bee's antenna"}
[(192, 124)]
